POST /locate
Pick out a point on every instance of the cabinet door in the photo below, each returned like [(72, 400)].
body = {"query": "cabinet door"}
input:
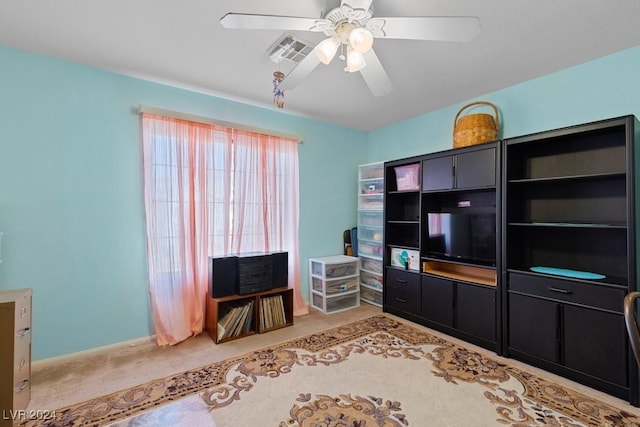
[(437, 173), (533, 327), (476, 169), (437, 300), (476, 311), (594, 343)]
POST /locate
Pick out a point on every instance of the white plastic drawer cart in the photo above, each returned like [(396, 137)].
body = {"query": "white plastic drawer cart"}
[(335, 283)]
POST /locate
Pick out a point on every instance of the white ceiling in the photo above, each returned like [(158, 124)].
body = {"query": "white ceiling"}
[(181, 42)]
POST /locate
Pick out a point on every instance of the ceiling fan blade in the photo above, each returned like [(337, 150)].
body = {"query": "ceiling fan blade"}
[(302, 70), (247, 21), (440, 28), (375, 76), (358, 4)]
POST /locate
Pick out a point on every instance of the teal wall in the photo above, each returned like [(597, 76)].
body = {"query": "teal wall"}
[(603, 88), (71, 205)]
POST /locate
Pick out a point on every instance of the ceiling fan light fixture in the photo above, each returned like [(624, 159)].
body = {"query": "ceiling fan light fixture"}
[(326, 49), (355, 60), (361, 40)]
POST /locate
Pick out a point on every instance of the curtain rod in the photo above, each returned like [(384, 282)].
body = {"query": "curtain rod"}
[(212, 121)]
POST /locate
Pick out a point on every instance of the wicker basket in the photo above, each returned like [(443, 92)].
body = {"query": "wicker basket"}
[(475, 128)]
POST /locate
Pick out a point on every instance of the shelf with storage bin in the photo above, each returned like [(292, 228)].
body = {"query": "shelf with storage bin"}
[(334, 283), (371, 230), (401, 266), (441, 242)]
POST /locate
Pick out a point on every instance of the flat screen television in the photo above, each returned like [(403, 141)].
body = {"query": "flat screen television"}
[(464, 236)]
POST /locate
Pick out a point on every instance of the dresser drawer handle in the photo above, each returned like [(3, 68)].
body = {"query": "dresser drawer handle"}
[(23, 384), (23, 332), (560, 291), (404, 301), (404, 282)]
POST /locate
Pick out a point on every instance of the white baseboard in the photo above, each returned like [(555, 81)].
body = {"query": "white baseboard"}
[(93, 351)]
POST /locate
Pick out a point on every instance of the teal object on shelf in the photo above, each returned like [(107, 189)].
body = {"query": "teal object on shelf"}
[(576, 274)]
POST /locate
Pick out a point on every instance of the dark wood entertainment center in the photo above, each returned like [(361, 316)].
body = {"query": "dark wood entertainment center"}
[(552, 295)]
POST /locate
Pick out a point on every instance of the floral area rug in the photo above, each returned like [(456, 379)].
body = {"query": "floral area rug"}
[(373, 372)]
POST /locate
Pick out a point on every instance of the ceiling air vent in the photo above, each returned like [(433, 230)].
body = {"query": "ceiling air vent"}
[(290, 48)]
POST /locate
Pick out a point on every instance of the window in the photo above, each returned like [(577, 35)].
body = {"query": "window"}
[(211, 190)]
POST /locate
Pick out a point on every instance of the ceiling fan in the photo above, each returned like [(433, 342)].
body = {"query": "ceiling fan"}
[(350, 26)]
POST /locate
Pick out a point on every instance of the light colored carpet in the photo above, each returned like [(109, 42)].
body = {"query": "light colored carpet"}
[(373, 372)]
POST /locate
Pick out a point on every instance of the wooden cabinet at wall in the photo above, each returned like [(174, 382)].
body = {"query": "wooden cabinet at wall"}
[(15, 352), (548, 286), (460, 243), (569, 208), (452, 289)]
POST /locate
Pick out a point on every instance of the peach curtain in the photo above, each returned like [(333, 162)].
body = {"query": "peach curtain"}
[(211, 190), (266, 201)]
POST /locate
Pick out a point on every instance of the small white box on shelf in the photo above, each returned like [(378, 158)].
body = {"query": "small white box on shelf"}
[(405, 258)]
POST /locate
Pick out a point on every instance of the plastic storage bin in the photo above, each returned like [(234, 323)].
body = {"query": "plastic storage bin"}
[(341, 302), (408, 177), (371, 202), (370, 233), (335, 283), (371, 171), (371, 296), (371, 265), (334, 266), (372, 186), (334, 286), (371, 279), (372, 249), (370, 218)]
